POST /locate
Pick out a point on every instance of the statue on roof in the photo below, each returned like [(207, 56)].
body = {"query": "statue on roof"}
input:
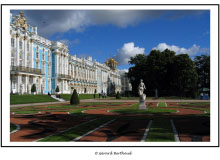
[(21, 21)]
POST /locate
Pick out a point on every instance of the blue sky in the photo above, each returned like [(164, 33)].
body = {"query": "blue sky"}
[(123, 34)]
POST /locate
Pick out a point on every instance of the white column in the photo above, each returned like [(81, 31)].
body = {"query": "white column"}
[(32, 53), (26, 83), (56, 63), (73, 75), (17, 51), (25, 51), (18, 85)]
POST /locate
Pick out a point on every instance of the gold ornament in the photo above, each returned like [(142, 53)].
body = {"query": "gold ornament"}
[(21, 21)]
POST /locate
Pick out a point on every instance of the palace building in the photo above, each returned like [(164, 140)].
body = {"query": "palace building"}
[(48, 64)]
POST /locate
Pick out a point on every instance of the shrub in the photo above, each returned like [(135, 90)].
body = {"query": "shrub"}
[(57, 89), (118, 95), (74, 98), (33, 88)]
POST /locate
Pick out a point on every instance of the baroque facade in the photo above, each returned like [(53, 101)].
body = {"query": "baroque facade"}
[(48, 64)]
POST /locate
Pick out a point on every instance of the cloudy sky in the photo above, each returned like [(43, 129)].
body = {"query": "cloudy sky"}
[(124, 33)]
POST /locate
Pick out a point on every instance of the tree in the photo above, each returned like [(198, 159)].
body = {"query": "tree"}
[(118, 95), (57, 89), (184, 77), (163, 72), (202, 64), (74, 98), (33, 88)]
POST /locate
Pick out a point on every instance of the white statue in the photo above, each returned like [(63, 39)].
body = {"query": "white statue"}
[(141, 89)]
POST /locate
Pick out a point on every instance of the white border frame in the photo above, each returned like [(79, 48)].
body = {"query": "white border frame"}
[(6, 76)]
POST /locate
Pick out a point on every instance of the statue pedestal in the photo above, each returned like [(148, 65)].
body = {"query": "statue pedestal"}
[(142, 105)]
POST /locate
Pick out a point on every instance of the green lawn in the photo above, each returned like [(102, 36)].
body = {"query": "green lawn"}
[(160, 131), (81, 96), (12, 127), (24, 99), (63, 108), (183, 98), (147, 111), (162, 104), (25, 111), (76, 131), (195, 103)]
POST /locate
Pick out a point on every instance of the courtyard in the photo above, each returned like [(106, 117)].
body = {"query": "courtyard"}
[(109, 120)]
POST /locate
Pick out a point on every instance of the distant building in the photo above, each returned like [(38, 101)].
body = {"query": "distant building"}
[(125, 83), (48, 64)]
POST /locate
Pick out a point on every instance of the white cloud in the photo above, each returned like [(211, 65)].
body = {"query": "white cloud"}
[(123, 70), (128, 50), (190, 51), (69, 42)]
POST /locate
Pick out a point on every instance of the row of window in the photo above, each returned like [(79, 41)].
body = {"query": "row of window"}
[(28, 49)]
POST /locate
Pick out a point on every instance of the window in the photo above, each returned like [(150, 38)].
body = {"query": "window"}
[(37, 52), (28, 47), (12, 61), (12, 42), (20, 62), (48, 69), (43, 54), (37, 55), (48, 84), (37, 65), (48, 56), (20, 44), (43, 68)]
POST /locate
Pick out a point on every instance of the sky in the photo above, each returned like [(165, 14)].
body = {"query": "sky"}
[(124, 33)]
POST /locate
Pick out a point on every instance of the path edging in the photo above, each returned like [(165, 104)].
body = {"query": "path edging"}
[(78, 138), (176, 137), (146, 131)]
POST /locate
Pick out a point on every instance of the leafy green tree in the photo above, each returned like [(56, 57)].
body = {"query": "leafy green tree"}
[(166, 72), (74, 98), (184, 80), (202, 64), (33, 88)]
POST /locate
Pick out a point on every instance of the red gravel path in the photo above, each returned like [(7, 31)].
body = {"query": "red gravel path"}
[(37, 126), (119, 131)]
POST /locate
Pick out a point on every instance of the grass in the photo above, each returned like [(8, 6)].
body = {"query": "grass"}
[(160, 131), (81, 96), (62, 108), (162, 104), (25, 111), (195, 103), (176, 97), (12, 127), (147, 111), (101, 103), (24, 99), (75, 131)]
